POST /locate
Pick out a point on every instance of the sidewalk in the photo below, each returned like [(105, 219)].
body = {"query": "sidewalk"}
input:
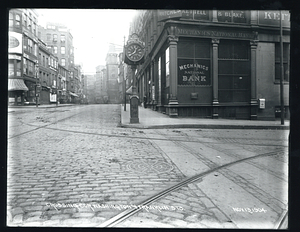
[(150, 119)]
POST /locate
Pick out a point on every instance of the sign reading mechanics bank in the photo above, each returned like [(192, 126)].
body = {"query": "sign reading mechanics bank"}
[(213, 33), (192, 72)]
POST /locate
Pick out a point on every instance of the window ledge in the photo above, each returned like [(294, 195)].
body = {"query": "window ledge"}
[(284, 82)]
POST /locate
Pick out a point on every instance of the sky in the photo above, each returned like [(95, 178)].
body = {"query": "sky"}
[(92, 30)]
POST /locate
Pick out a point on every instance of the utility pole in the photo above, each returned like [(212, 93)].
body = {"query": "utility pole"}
[(281, 73)]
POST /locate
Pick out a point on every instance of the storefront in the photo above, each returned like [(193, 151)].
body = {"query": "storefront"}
[(215, 64)]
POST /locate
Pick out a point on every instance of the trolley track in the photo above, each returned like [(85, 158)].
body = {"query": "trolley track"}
[(125, 136), (181, 143), (130, 212), (230, 174)]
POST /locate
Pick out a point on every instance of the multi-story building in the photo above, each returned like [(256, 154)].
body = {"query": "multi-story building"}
[(62, 78), (101, 85), (44, 73), (23, 56), (121, 77), (54, 80), (90, 86), (112, 75), (60, 40), (211, 63)]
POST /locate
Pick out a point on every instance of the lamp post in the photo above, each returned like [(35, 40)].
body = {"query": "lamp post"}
[(36, 84), (56, 90), (124, 80)]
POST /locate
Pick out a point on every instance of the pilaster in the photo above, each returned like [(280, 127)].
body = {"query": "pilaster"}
[(215, 73), (253, 103), (173, 101)]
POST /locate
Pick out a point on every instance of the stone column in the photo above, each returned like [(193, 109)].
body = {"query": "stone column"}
[(154, 82), (215, 76), (253, 103), (173, 101), (215, 16)]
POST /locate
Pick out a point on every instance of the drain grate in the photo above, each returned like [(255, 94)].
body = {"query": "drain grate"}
[(148, 166)]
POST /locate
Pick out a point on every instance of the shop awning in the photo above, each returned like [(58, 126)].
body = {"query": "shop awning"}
[(16, 84), (73, 94)]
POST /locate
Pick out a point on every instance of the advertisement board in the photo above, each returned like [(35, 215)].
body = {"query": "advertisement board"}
[(15, 42)]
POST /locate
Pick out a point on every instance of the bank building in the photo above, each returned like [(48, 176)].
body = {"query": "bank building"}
[(214, 64)]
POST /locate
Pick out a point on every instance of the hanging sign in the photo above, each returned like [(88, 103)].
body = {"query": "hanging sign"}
[(194, 72)]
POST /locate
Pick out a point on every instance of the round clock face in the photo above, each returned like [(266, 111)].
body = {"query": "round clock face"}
[(135, 52)]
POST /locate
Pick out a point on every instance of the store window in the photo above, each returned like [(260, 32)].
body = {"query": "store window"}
[(159, 80), (286, 68), (24, 21), (18, 20), (30, 45), (30, 68), (29, 24), (18, 68), (25, 68), (194, 62), (11, 68), (11, 19), (234, 71), (62, 38), (167, 67)]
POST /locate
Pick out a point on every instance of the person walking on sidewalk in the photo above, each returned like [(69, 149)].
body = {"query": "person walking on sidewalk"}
[(145, 101)]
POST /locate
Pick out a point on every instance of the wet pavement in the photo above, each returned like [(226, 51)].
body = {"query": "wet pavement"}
[(75, 166)]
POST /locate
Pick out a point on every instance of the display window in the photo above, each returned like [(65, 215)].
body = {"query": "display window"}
[(234, 78), (194, 63)]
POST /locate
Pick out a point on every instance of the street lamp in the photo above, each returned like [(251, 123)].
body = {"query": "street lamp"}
[(37, 86)]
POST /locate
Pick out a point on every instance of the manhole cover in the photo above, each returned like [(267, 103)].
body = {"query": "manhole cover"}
[(143, 166)]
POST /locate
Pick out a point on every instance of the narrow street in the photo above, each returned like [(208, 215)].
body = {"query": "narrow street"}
[(74, 166)]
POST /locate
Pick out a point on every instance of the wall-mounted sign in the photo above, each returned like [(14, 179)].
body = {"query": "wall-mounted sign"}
[(195, 14), (184, 14), (52, 97), (233, 16), (272, 18), (193, 72), (15, 42), (168, 14), (214, 33)]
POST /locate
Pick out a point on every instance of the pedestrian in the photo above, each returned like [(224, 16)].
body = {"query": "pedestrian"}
[(145, 101)]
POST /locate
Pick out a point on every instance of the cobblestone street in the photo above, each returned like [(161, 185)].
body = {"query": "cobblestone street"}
[(74, 167)]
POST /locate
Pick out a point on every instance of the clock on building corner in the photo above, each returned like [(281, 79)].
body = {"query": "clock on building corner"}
[(135, 52)]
